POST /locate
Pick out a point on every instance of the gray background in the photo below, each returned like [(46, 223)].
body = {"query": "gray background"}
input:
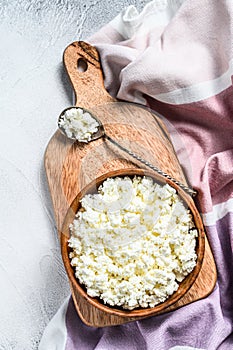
[(33, 91)]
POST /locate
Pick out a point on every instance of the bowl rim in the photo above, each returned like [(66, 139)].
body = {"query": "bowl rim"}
[(184, 286)]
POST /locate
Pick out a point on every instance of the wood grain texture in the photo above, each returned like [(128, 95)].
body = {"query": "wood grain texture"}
[(70, 166), (89, 85)]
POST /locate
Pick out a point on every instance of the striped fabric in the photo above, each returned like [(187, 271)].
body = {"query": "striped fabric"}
[(177, 58)]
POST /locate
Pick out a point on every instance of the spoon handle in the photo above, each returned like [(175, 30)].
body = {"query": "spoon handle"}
[(190, 191)]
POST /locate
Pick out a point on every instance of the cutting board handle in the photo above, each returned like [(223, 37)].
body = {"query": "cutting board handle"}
[(83, 66)]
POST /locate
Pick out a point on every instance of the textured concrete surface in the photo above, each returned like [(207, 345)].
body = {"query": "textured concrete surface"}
[(33, 91)]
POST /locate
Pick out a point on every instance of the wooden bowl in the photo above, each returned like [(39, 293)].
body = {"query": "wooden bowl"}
[(184, 286)]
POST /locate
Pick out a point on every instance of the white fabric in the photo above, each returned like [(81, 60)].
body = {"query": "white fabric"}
[(54, 337), (155, 13), (218, 212), (200, 91)]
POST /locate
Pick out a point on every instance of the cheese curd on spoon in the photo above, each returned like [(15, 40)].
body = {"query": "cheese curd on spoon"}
[(133, 242), (78, 124)]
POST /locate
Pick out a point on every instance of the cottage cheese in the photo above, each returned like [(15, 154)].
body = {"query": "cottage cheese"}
[(78, 124), (133, 242)]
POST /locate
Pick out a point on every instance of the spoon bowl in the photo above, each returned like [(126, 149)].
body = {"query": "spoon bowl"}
[(94, 136)]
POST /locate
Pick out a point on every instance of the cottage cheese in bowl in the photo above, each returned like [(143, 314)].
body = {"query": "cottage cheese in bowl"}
[(133, 242)]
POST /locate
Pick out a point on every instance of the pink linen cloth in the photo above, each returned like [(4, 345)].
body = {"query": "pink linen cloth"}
[(177, 58)]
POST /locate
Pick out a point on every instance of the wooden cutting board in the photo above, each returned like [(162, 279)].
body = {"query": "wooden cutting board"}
[(70, 166)]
